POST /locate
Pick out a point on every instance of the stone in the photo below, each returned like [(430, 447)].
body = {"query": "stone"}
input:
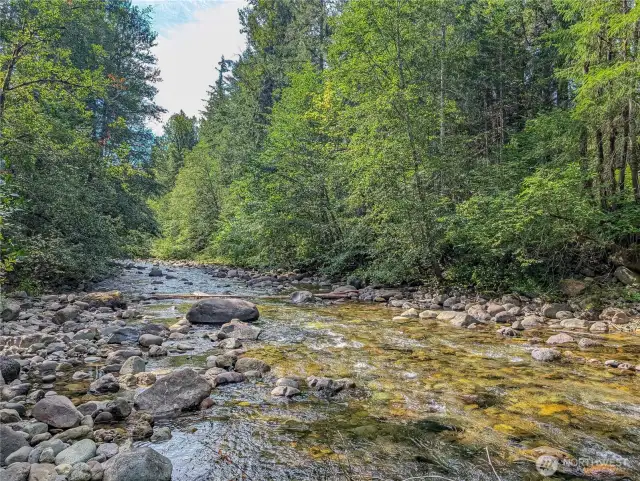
[(66, 314), (461, 319), (148, 340), (572, 287), (614, 315), (124, 335), (80, 472), (507, 331), (550, 310), (57, 411), (16, 472), (575, 324), (74, 433), (155, 272), (10, 312), (561, 338), (599, 327), (229, 377), (245, 364), (287, 381), (562, 315), (446, 315), (428, 314), (111, 299), (133, 365), (9, 369), (47, 456), (493, 309), (9, 416), (79, 452), (531, 322), (105, 384), (545, 354), (104, 418), (504, 317), (301, 297), (56, 446), (222, 310), (179, 390), (142, 464), (586, 343), (145, 378), (627, 276), (285, 391), (410, 313), (108, 450), (121, 355), (161, 434), (119, 408), (157, 351), (19, 456), (42, 471)]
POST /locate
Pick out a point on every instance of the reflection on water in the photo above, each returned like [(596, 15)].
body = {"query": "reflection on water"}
[(431, 400)]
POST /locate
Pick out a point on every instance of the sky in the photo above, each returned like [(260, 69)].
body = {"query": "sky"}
[(192, 37)]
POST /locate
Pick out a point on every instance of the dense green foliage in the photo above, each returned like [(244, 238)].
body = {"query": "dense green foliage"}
[(76, 91), (490, 142)]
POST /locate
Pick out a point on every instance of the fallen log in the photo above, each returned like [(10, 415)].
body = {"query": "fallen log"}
[(204, 295)]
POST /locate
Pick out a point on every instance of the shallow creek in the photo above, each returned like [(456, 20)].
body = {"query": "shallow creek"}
[(432, 401)]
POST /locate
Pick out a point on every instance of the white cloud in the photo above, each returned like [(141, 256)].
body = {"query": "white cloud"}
[(188, 55)]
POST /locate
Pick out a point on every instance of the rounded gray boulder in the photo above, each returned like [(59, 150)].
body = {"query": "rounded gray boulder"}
[(222, 310)]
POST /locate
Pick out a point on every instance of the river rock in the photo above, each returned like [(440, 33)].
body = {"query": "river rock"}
[(614, 315), (123, 335), (285, 391), (428, 314), (222, 310), (57, 411), (56, 446), (42, 472), (108, 450), (120, 356), (245, 364), (301, 297), (105, 384), (627, 276), (111, 299), (9, 369), (410, 313), (10, 441), (572, 287), (545, 354), (16, 472), (155, 272), (561, 338), (461, 319), (66, 314), (148, 340), (550, 310), (142, 464), (79, 452), (599, 327), (177, 391), (10, 312), (19, 456), (240, 330), (575, 324), (133, 365), (586, 343), (229, 377)]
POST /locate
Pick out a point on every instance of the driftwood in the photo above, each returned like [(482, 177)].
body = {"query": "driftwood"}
[(204, 295)]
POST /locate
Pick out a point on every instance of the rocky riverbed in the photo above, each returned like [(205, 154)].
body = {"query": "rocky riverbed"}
[(129, 382)]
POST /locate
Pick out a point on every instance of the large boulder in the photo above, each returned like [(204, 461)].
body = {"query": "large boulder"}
[(10, 441), (177, 391), (9, 369), (143, 464), (10, 312), (222, 310), (57, 411)]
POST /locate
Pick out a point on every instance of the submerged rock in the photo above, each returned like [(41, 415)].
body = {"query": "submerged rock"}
[(302, 297), (222, 310)]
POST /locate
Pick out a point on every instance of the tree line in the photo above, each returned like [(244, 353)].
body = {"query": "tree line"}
[(484, 142), (77, 83), (491, 143)]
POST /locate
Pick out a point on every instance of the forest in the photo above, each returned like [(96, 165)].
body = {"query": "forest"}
[(485, 143)]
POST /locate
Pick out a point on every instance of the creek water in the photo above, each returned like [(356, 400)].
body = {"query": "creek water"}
[(432, 401)]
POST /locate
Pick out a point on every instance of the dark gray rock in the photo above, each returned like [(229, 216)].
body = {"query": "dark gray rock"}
[(105, 384), (10, 441), (177, 391), (143, 464), (9, 369), (222, 310)]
